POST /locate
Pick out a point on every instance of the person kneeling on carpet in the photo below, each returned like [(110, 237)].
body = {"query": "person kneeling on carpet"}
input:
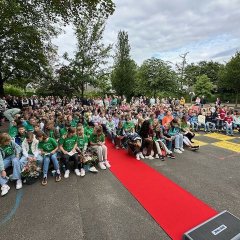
[(134, 142), (97, 143)]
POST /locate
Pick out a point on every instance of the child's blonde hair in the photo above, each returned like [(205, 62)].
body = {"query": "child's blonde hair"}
[(4, 138)]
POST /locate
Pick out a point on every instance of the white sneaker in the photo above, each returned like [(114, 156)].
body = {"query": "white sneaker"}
[(102, 165), (19, 184), (137, 156), (5, 188), (82, 173), (107, 164), (181, 149), (141, 155), (66, 174), (177, 150), (93, 169), (150, 157), (156, 156), (77, 172)]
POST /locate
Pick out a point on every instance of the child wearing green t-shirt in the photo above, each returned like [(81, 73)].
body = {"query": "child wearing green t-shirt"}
[(68, 145), (48, 150), (97, 142)]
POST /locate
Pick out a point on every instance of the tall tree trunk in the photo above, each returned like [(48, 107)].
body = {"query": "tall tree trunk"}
[(236, 102), (1, 85)]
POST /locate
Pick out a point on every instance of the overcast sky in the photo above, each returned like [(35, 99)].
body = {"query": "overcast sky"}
[(207, 29)]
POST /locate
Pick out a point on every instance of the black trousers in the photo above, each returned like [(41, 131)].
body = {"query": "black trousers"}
[(66, 158)]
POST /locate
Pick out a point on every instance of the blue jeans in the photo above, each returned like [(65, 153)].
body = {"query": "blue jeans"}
[(15, 163), (229, 130), (46, 161), (210, 126), (179, 141), (194, 125)]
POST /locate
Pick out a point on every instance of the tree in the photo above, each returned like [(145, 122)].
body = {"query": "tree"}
[(26, 29), (89, 63), (155, 75), (230, 76), (203, 86), (181, 70), (123, 76)]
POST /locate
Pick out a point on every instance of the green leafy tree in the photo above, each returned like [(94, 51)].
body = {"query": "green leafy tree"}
[(123, 76), (26, 30), (89, 63), (155, 76), (203, 86), (229, 76)]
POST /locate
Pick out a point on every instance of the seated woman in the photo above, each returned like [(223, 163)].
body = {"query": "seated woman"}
[(97, 142), (67, 146), (9, 156), (174, 132), (48, 150), (30, 150), (160, 141), (120, 137), (146, 133), (134, 142)]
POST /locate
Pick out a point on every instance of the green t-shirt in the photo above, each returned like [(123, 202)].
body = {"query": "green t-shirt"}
[(8, 150), (88, 131), (13, 131), (48, 146), (62, 131), (81, 141), (73, 123), (128, 126), (95, 139), (29, 127), (68, 143)]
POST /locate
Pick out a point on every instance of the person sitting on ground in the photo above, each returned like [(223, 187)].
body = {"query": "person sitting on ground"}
[(82, 144), (210, 125), (194, 122), (67, 146), (236, 120), (110, 126), (9, 156), (146, 133), (48, 148), (120, 136), (229, 124), (97, 143), (30, 151), (175, 133), (20, 135)]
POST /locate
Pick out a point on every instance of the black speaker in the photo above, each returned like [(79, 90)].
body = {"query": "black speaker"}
[(224, 226)]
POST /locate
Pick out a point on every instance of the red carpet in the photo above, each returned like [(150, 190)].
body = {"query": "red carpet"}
[(172, 207)]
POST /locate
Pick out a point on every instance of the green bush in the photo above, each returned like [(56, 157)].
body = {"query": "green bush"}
[(13, 90)]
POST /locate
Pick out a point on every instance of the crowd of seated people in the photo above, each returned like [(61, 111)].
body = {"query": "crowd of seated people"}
[(67, 131)]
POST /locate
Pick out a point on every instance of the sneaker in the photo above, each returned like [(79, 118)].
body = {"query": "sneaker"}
[(93, 169), (44, 181), (5, 188), (117, 147), (19, 184), (181, 149), (102, 166), (58, 177), (149, 157), (156, 156), (77, 172), (176, 150), (162, 158), (170, 155), (66, 174), (141, 155), (138, 156), (82, 173), (107, 164)]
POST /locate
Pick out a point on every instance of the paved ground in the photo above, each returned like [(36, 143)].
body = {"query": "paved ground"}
[(99, 207)]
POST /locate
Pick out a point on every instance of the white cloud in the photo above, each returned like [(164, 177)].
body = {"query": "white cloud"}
[(208, 30)]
